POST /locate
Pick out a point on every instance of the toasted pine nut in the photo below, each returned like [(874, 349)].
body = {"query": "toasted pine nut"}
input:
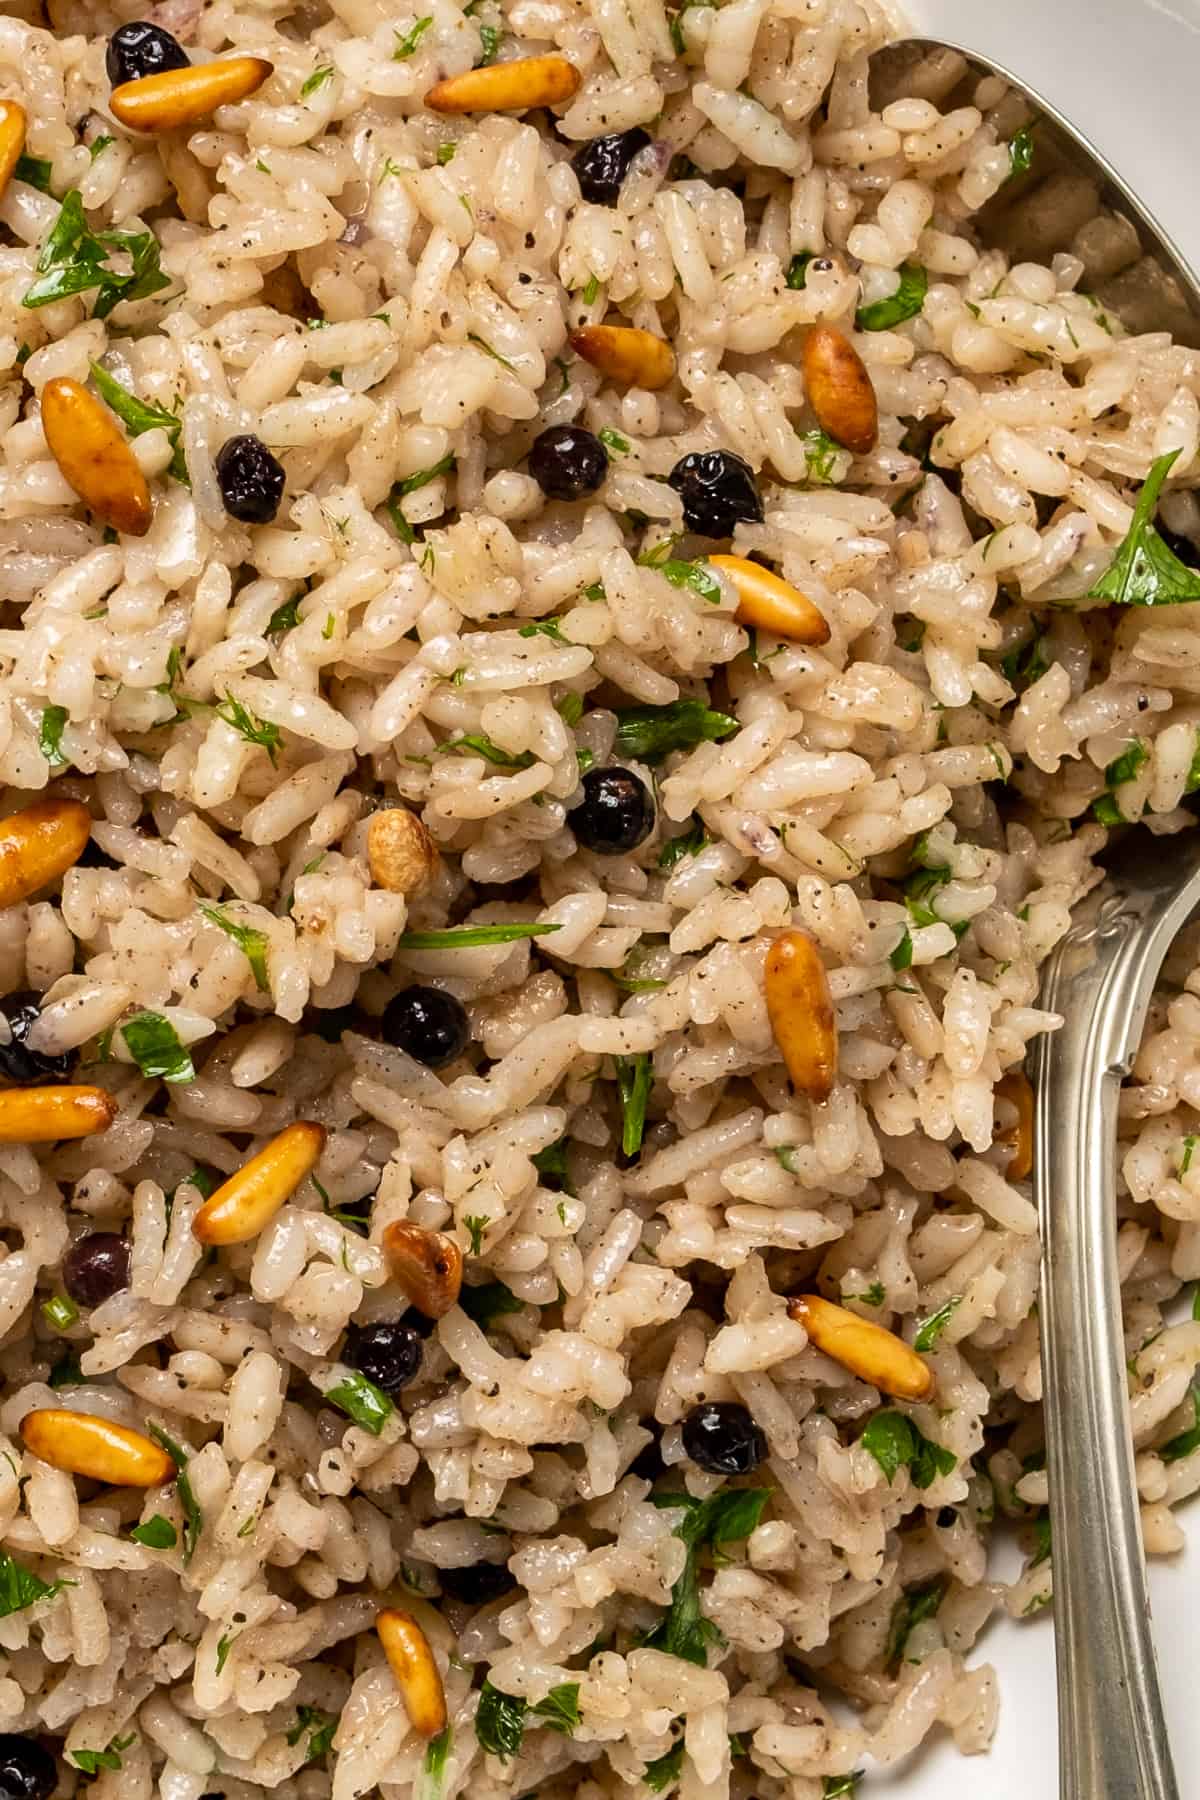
[(507, 86), (38, 844), (626, 354), (246, 1203), (12, 138), (179, 97), (867, 1350), (42, 1115), (413, 1664), (94, 457), (1015, 1088), (839, 389), (400, 851), (83, 1444), (800, 1009), (771, 603), (427, 1266)]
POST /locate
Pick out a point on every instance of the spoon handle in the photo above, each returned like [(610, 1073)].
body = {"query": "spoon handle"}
[(1112, 1734)]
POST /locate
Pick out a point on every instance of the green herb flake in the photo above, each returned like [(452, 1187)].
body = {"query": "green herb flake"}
[(820, 456), (1144, 572), (485, 1304), (224, 1646), (253, 943), (36, 172), (1106, 811), (253, 729), (614, 441), (60, 1312), (905, 303), (193, 1518), (473, 337), (330, 625), (559, 1711), (1020, 152), (874, 1295), (549, 628), (1126, 766), (20, 1587), (489, 43), (74, 260), (365, 1403), (726, 1516), (635, 1078), (316, 80), (690, 844), (911, 1610), (570, 708), (901, 957), (1185, 1161), (930, 1330), (895, 1443), (1025, 664), (591, 290), (476, 1224), (652, 732), (445, 154), (66, 1371), (467, 937), (156, 1534), (406, 45), (1189, 1439), (154, 1045), (797, 273), (139, 415), (285, 617), (665, 1770), (92, 1761), (499, 1722), (54, 719), (838, 1786), (412, 484), (320, 1727), (695, 575)]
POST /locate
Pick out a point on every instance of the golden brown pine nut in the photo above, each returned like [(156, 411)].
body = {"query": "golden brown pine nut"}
[(867, 1350), (800, 1009), (1016, 1090), (772, 604), (839, 389), (83, 1444), (38, 844), (626, 354), (427, 1266), (43, 1115), (175, 98), (507, 86), (400, 851), (246, 1203), (12, 139), (417, 1675), (94, 457)]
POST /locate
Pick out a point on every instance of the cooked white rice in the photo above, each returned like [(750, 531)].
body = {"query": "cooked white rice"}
[(376, 291)]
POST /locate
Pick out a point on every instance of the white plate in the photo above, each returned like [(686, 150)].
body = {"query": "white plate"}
[(1124, 72)]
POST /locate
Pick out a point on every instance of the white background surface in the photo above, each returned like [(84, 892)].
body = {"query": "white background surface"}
[(1127, 74)]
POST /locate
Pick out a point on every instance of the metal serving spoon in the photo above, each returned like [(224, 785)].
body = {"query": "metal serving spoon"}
[(1112, 1733)]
